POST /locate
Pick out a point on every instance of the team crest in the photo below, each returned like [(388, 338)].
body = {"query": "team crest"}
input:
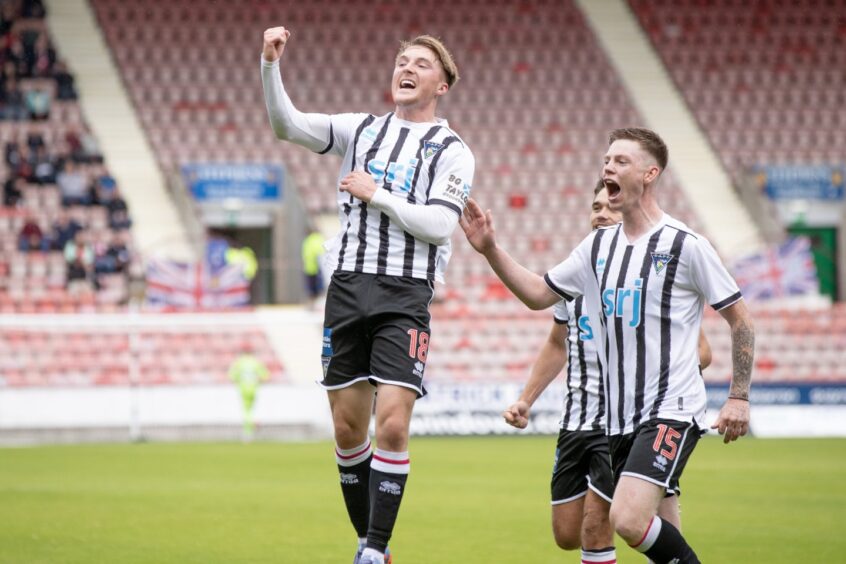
[(430, 149), (660, 261)]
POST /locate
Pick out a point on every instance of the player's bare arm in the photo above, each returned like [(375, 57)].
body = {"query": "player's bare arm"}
[(275, 39), (529, 287), (549, 364), (733, 419)]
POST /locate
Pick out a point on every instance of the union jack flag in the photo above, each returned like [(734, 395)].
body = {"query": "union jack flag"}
[(779, 271), (195, 285)]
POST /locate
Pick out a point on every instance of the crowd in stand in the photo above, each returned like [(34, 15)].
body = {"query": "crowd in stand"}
[(72, 163)]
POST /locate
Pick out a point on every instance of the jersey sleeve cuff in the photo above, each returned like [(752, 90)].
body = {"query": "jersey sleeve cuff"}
[(559, 321), (556, 289), (446, 204), (731, 300)]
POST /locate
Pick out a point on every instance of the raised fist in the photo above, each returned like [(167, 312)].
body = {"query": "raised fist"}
[(275, 39)]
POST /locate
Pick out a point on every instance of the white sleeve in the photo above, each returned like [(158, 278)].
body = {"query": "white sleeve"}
[(453, 178), (560, 314), (710, 276), (568, 279), (433, 224), (321, 133)]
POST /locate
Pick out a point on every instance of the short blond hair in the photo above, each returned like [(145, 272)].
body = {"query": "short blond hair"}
[(441, 52)]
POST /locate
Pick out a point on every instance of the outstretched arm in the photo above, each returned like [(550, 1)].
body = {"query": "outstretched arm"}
[(313, 131), (529, 287), (733, 420), (549, 364)]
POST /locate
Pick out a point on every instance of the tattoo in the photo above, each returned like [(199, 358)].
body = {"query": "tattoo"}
[(742, 352)]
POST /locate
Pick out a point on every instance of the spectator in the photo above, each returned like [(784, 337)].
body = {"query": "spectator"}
[(79, 254), (74, 186), (37, 104), (31, 237), (12, 102), (312, 250), (33, 9), (118, 212), (12, 191), (112, 258), (43, 167), (65, 229), (65, 87), (104, 188), (43, 57)]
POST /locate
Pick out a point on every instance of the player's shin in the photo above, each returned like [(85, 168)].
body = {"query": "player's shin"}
[(664, 544), (388, 476), (354, 468)]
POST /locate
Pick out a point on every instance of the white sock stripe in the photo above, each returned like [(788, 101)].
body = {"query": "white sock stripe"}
[(599, 557), (390, 462), (649, 537), (392, 456), (353, 456)]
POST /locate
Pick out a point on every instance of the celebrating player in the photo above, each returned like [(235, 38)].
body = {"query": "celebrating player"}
[(404, 180), (582, 482), (645, 282)]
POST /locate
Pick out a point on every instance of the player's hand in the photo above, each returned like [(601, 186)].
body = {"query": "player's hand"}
[(733, 420), (275, 39), (478, 227), (517, 414), (360, 185)]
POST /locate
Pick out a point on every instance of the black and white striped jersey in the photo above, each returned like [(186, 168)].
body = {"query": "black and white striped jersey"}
[(644, 302), (423, 163), (584, 397)]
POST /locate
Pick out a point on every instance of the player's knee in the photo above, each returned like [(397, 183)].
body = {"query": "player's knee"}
[(392, 433), (567, 538), (628, 524), (348, 433)]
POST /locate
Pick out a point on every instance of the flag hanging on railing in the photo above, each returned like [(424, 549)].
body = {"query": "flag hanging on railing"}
[(778, 271), (195, 285)]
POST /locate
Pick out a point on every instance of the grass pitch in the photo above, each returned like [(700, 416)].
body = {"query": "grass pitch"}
[(470, 500)]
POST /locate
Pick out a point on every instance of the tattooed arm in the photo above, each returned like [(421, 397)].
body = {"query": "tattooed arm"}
[(733, 420)]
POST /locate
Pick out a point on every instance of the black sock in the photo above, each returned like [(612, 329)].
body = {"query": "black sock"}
[(664, 544), (388, 475), (354, 467)]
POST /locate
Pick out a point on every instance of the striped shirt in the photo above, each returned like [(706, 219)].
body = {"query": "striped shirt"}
[(645, 300), (423, 163), (584, 399)]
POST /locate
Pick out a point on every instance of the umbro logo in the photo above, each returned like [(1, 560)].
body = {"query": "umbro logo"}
[(392, 488), (660, 261), (430, 149)]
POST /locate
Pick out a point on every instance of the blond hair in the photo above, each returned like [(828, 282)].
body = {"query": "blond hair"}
[(441, 52)]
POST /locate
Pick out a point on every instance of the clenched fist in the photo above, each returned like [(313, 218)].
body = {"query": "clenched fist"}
[(275, 39)]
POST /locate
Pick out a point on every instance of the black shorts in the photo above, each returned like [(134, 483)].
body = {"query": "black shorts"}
[(376, 328), (582, 461), (657, 451)]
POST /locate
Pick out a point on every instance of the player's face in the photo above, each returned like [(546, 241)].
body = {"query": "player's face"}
[(627, 168), (418, 77), (601, 214)]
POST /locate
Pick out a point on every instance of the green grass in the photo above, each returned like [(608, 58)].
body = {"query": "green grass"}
[(470, 500)]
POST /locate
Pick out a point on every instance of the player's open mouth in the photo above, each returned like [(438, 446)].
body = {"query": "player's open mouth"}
[(613, 188), (407, 84)]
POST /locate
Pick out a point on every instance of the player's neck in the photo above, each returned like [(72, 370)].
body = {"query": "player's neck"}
[(416, 113), (641, 218)]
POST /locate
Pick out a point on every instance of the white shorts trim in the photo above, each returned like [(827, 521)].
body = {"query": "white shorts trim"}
[(569, 499), (663, 485), (597, 492), (395, 383), (342, 386)]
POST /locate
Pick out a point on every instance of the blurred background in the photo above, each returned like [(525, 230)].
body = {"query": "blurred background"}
[(154, 231)]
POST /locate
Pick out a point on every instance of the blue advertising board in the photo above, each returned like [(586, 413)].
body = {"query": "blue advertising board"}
[(818, 182), (222, 181)]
